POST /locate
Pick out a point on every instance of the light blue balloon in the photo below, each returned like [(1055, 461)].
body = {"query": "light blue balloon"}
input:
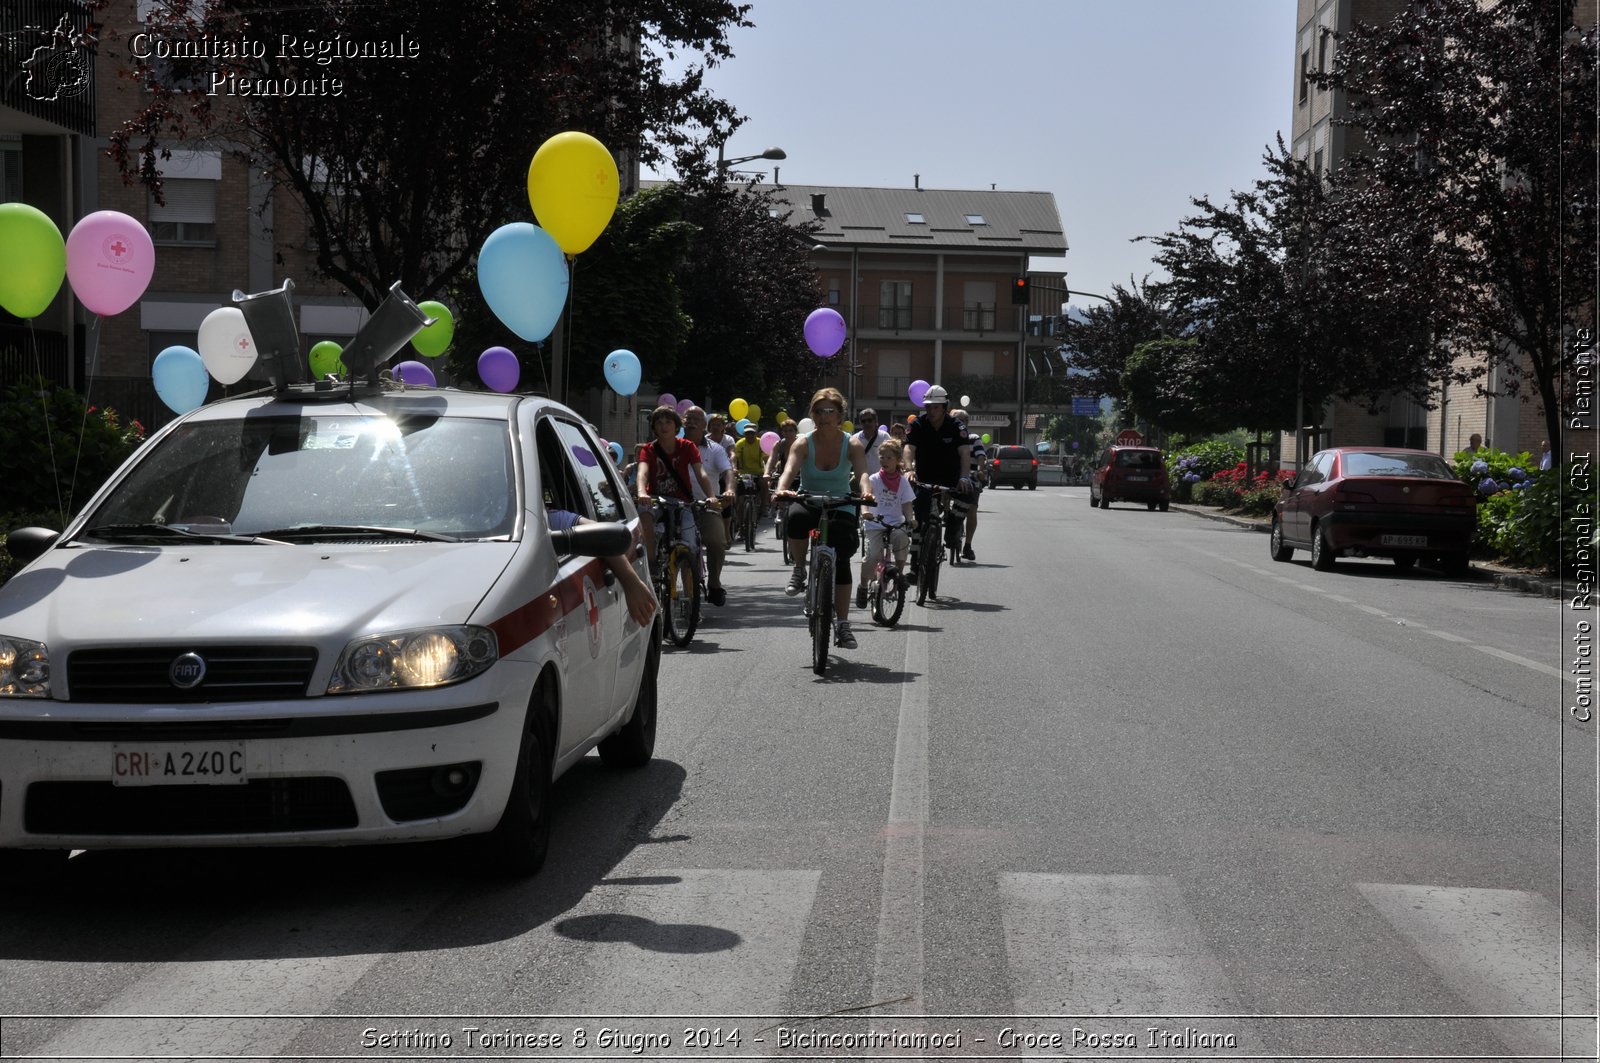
[(180, 378), (623, 371), (616, 453), (738, 428), (523, 275)]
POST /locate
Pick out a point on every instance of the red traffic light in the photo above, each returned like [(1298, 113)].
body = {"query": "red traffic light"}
[(1019, 291)]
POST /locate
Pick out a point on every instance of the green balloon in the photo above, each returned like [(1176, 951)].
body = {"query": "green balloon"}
[(325, 359), (435, 339), (35, 259)]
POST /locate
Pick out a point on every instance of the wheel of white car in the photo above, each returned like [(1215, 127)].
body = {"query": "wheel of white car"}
[(518, 844)]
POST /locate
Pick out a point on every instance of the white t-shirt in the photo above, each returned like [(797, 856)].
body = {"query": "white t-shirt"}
[(715, 461), (870, 445), (889, 502), (724, 441)]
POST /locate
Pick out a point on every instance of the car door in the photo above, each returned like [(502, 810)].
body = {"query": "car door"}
[(1308, 500), (610, 641)]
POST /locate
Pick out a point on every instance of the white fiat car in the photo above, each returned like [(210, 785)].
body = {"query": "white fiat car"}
[(324, 617)]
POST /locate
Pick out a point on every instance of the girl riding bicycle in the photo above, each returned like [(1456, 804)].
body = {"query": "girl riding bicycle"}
[(825, 461), (666, 466), (895, 498)]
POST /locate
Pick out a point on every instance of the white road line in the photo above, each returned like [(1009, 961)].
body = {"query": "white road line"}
[(333, 946), (1448, 636), (1499, 950), (710, 942), (1108, 945), (897, 965), (1506, 655)]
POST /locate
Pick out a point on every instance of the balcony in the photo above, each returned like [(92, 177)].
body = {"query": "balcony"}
[(972, 320)]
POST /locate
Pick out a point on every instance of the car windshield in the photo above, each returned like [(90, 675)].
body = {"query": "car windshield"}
[(1013, 452), (448, 476), (1137, 459), (1379, 463)]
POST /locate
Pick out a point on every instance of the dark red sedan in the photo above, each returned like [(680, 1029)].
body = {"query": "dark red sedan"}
[(1376, 502), (1131, 474)]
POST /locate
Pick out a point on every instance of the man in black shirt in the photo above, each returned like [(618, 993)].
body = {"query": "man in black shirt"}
[(937, 453)]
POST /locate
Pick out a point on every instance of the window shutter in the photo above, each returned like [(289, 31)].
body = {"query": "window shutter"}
[(188, 200)]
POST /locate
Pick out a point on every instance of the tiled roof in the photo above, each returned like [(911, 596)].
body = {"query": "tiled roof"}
[(929, 218)]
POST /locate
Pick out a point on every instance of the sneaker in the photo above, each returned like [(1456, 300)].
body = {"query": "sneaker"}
[(717, 595), (968, 555), (861, 596), (797, 583), (843, 637)]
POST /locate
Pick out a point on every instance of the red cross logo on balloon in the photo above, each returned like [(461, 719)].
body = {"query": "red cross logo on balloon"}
[(243, 342), (119, 248)]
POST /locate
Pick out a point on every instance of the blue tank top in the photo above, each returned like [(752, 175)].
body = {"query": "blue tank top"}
[(834, 481)]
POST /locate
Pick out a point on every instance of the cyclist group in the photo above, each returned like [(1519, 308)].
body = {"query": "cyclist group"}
[(896, 481)]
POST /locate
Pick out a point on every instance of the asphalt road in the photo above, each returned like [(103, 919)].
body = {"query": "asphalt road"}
[(1132, 788)]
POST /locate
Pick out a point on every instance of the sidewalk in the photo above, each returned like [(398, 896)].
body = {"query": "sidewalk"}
[(1515, 579)]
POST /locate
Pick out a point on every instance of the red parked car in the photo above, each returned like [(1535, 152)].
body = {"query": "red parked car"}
[(1376, 502), (1131, 474)]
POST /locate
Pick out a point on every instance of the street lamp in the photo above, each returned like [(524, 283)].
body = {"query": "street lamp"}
[(775, 154)]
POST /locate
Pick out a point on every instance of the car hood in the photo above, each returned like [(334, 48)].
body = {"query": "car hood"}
[(92, 594)]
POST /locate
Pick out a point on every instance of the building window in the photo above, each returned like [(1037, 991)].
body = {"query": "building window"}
[(11, 170), (1322, 51), (1305, 69), (976, 219), (894, 374), (189, 215), (894, 304), (979, 363), (914, 218), (1316, 162), (978, 306), (833, 291)]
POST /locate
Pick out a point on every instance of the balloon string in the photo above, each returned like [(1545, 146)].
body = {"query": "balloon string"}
[(542, 373), (572, 299), (44, 407), (93, 332)]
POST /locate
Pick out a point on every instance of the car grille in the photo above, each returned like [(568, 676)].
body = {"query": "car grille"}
[(261, 806), (139, 674)]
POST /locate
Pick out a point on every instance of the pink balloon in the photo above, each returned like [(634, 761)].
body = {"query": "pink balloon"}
[(110, 261), (667, 398), (499, 369), (683, 406), (416, 374), (917, 391), (825, 332), (768, 441)]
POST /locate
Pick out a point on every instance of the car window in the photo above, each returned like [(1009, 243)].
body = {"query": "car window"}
[(591, 483), (1013, 452), (1379, 463), (1136, 459), (447, 475)]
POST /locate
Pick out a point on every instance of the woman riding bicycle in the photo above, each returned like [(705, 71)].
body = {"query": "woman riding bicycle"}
[(825, 461), (666, 466)]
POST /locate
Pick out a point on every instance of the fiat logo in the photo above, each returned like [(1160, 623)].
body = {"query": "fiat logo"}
[(187, 671)]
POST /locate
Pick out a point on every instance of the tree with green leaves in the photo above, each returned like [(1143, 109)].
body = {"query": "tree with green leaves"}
[(424, 150), (1474, 174), (1097, 348)]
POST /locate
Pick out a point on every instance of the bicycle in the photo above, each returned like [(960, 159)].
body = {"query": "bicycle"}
[(676, 572), (747, 502), (886, 589), (820, 590), (931, 555)]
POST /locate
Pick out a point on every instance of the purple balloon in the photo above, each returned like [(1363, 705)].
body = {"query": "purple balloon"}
[(416, 374), (667, 398), (499, 369), (917, 391), (683, 406), (825, 332)]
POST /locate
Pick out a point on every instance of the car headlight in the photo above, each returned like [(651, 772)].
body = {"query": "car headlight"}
[(24, 668), (412, 660)]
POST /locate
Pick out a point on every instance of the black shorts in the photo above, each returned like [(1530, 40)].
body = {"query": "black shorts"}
[(844, 533)]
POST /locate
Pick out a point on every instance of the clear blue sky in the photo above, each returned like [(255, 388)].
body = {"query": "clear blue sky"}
[(1122, 108)]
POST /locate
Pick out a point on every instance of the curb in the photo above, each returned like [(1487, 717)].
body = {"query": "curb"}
[(1526, 582)]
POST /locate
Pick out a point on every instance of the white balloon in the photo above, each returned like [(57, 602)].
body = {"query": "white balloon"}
[(806, 425), (965, 401), (226, 346)]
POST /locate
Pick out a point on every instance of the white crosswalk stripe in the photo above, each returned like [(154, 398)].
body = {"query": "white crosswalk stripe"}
[(1501, 951)]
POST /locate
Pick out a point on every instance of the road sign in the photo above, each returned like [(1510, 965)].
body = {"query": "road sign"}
[(1129, 437), (1085, 405)]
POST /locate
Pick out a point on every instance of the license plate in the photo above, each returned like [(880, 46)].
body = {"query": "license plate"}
[(156, 764), (1404, 540), (1138, 479)]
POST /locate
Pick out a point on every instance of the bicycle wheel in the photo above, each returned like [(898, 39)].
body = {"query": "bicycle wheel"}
[(933, 572), (822, 625), (750, 525), (889, 597), (927, 565), (683, 596)]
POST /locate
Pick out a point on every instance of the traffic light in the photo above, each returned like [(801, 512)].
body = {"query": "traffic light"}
[(1019, 291)]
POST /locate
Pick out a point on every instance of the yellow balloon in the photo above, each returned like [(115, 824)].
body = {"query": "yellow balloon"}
[(783, 415), (737, 408), (573, 186), (753, 412), (848, 426)]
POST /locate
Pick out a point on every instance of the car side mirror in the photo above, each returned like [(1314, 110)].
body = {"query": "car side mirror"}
[(25, 544), (593, 540)]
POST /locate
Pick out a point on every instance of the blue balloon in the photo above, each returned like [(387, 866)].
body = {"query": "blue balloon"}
[(623, 372), (523, 275), (616, 453), (180, 378), (738, 428)]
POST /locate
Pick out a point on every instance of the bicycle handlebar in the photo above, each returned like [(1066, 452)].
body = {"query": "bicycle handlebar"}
[(830, 501)]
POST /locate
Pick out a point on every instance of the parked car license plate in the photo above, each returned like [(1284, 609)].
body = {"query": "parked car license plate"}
[(1138, 479), (211, 764), (1404, 540)]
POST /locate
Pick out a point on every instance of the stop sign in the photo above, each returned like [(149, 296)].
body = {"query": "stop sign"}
[(1129, 437)]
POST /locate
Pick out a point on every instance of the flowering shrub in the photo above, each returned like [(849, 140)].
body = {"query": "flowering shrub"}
[(1194, 465), (1521, 510), (1235, 489)]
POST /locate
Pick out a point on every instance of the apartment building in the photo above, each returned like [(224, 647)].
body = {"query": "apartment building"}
[(923, 278), (1508, 422)]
